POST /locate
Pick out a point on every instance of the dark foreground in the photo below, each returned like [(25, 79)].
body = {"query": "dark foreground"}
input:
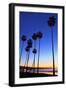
[(25, 75), (28, 72)]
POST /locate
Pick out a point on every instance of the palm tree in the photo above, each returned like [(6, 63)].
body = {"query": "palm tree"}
[(29, 42), (23, 38), (34, 37), (34, 52), (39, 36), (51, 23), (27, 57)]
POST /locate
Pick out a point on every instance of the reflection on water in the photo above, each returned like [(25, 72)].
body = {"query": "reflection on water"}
[(41, 70)]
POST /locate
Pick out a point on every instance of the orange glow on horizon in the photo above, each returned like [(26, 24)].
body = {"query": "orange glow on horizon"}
[(42, 65)]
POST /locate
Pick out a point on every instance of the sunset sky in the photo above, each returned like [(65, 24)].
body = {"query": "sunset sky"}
[(31, 22)]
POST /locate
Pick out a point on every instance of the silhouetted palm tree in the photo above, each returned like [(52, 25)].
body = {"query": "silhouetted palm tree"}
[(51, 23), (23, 38), (39, 36), (29, 42), (34, 37), (34, 52), (27, 57)]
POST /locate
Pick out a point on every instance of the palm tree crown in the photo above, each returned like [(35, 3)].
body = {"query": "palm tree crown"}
[(23, 38), (34, 51), (27, 49), (29, 42), (39, 35), (51, 21), (34, 36)]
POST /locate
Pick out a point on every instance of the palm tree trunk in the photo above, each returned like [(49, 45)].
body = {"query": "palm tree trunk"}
[(21, 53), (53, 54), (34, 54), (34, 57), (34, 43), (38, 57), (34, 64), (27, 60)]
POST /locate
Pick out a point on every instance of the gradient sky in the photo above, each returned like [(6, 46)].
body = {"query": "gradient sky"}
[(31, 22)]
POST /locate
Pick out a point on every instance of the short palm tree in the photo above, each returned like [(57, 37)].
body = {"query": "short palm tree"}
[(51, 23), (27, 57), (34, 52), (23, 38), (39, 36)]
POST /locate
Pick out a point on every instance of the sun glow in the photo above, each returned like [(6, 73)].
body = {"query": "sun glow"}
[(42, 65)]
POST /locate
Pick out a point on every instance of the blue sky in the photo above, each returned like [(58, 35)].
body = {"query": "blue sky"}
[(31, 22)]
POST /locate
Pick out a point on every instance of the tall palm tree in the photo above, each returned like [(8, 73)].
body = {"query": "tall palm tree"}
[(39, 36), (27, 57), (51, 23), (34, 37), (34, 52), (29, 42), (23, 38)]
